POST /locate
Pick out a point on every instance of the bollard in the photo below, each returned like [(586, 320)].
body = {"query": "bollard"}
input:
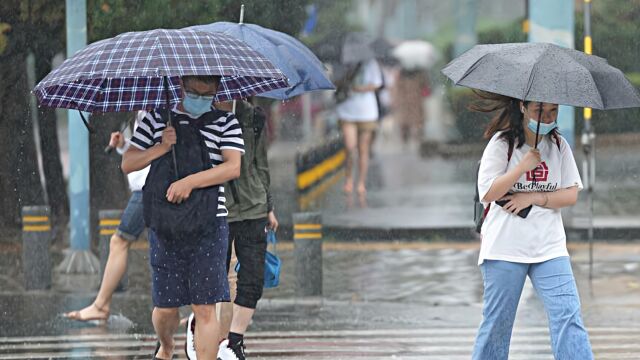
[(36, 238), (307, 238), (109, 221)]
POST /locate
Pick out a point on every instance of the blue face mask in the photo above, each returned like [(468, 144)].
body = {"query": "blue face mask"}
[(195, 104), (544, 128)]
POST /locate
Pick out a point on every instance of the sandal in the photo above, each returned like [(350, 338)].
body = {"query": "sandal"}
[(155, 353)]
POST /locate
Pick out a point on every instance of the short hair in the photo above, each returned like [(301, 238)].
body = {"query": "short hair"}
[(207, 79)]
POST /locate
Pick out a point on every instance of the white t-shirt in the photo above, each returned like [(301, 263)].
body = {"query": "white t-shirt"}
[(362, 106), (136, 179), (540, 236)]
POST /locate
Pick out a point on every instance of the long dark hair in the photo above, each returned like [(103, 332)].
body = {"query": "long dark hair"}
[(508, 118)]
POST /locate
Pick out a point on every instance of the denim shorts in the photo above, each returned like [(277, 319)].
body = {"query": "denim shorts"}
[(190, 272), (132, 220)]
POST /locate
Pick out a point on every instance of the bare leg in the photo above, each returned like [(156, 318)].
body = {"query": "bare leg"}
[(350, 135), (165, 322), (241, 319), (225, 310), (364, 144), (113, 273), (207, 331)]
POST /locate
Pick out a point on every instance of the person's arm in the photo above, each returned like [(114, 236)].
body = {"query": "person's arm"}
[(228, 170), (502, 184), (365, 88), (551, 200), (135, 159), (262, 165)]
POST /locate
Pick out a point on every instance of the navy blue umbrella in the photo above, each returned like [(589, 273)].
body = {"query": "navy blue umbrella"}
[(302, 68)]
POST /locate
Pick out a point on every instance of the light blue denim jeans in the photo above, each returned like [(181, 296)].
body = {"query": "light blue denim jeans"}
[(555, 285)]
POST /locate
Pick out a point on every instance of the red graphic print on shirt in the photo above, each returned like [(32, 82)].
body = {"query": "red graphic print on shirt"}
[(541, 173)]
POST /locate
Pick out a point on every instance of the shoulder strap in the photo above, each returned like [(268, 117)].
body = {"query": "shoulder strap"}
[(557, 140)]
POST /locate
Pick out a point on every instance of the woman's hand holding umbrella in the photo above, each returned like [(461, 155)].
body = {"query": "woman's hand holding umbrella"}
[(530, 160)]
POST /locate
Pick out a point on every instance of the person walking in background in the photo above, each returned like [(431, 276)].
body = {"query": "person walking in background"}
[(251, 214), (410, 89), (184, 208), (525, 185), (357, 110), (130, 227)]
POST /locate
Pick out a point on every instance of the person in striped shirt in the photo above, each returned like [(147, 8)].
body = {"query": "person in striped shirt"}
[(188, 263)]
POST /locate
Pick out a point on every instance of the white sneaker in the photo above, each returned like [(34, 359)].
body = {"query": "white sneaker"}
[(227, 353), (190, 344)]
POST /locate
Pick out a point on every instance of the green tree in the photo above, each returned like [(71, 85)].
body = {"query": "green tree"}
[(31, 26)]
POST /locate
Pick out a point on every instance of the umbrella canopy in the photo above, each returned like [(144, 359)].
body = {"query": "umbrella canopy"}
[(383, 50), (302, 68), (126, 73), (416, 54), (545, 73), (357, 47)]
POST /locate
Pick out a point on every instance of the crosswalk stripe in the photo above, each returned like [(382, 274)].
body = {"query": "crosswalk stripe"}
[(531, 343), (121, 342)]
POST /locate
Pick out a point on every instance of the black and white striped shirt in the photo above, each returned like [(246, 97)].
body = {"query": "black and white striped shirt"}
[(225, 133)]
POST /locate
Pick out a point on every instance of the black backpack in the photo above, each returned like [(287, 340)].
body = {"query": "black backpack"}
[(479, 211), (196, 215)]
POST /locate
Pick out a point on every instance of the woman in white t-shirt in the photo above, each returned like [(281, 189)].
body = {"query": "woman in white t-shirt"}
[(514, 247), (358, 115)]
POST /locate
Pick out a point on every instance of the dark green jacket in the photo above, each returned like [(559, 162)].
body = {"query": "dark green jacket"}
[(248, 196)]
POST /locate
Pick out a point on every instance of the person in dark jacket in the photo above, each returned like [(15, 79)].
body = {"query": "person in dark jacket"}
[(251, 214)]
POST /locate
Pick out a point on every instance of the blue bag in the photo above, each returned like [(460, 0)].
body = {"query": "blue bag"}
[(272, 263)]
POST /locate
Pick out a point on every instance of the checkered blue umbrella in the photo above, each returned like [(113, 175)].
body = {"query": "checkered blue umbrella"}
[(126, 73)]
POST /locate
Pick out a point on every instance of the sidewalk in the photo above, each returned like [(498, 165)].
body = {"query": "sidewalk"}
[(417, 198)]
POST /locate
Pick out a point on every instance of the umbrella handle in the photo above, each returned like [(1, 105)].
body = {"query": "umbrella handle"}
[(169, 118), (538, 126)]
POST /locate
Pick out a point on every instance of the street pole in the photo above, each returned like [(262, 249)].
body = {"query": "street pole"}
[(465, 15), (80, 259), (552, 21), (588, 142)]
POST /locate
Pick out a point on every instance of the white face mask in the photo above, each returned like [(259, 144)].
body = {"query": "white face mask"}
[(544, 128)]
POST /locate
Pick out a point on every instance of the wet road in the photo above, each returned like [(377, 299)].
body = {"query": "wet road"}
[(373, 292)]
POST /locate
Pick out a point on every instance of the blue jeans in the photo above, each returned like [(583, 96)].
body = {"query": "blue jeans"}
[(132, 221), (554, 283)]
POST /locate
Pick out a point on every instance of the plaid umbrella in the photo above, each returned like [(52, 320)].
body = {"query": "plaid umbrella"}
[(126, 73)]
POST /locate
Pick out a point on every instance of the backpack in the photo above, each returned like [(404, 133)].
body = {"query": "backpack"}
[(196, 215), (479, 211)]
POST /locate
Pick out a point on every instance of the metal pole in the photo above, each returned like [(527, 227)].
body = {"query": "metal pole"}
[(80, 259), (525, 23), (76, 13), (465, 20), (588, 142), (241, 14), (307, 238)]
